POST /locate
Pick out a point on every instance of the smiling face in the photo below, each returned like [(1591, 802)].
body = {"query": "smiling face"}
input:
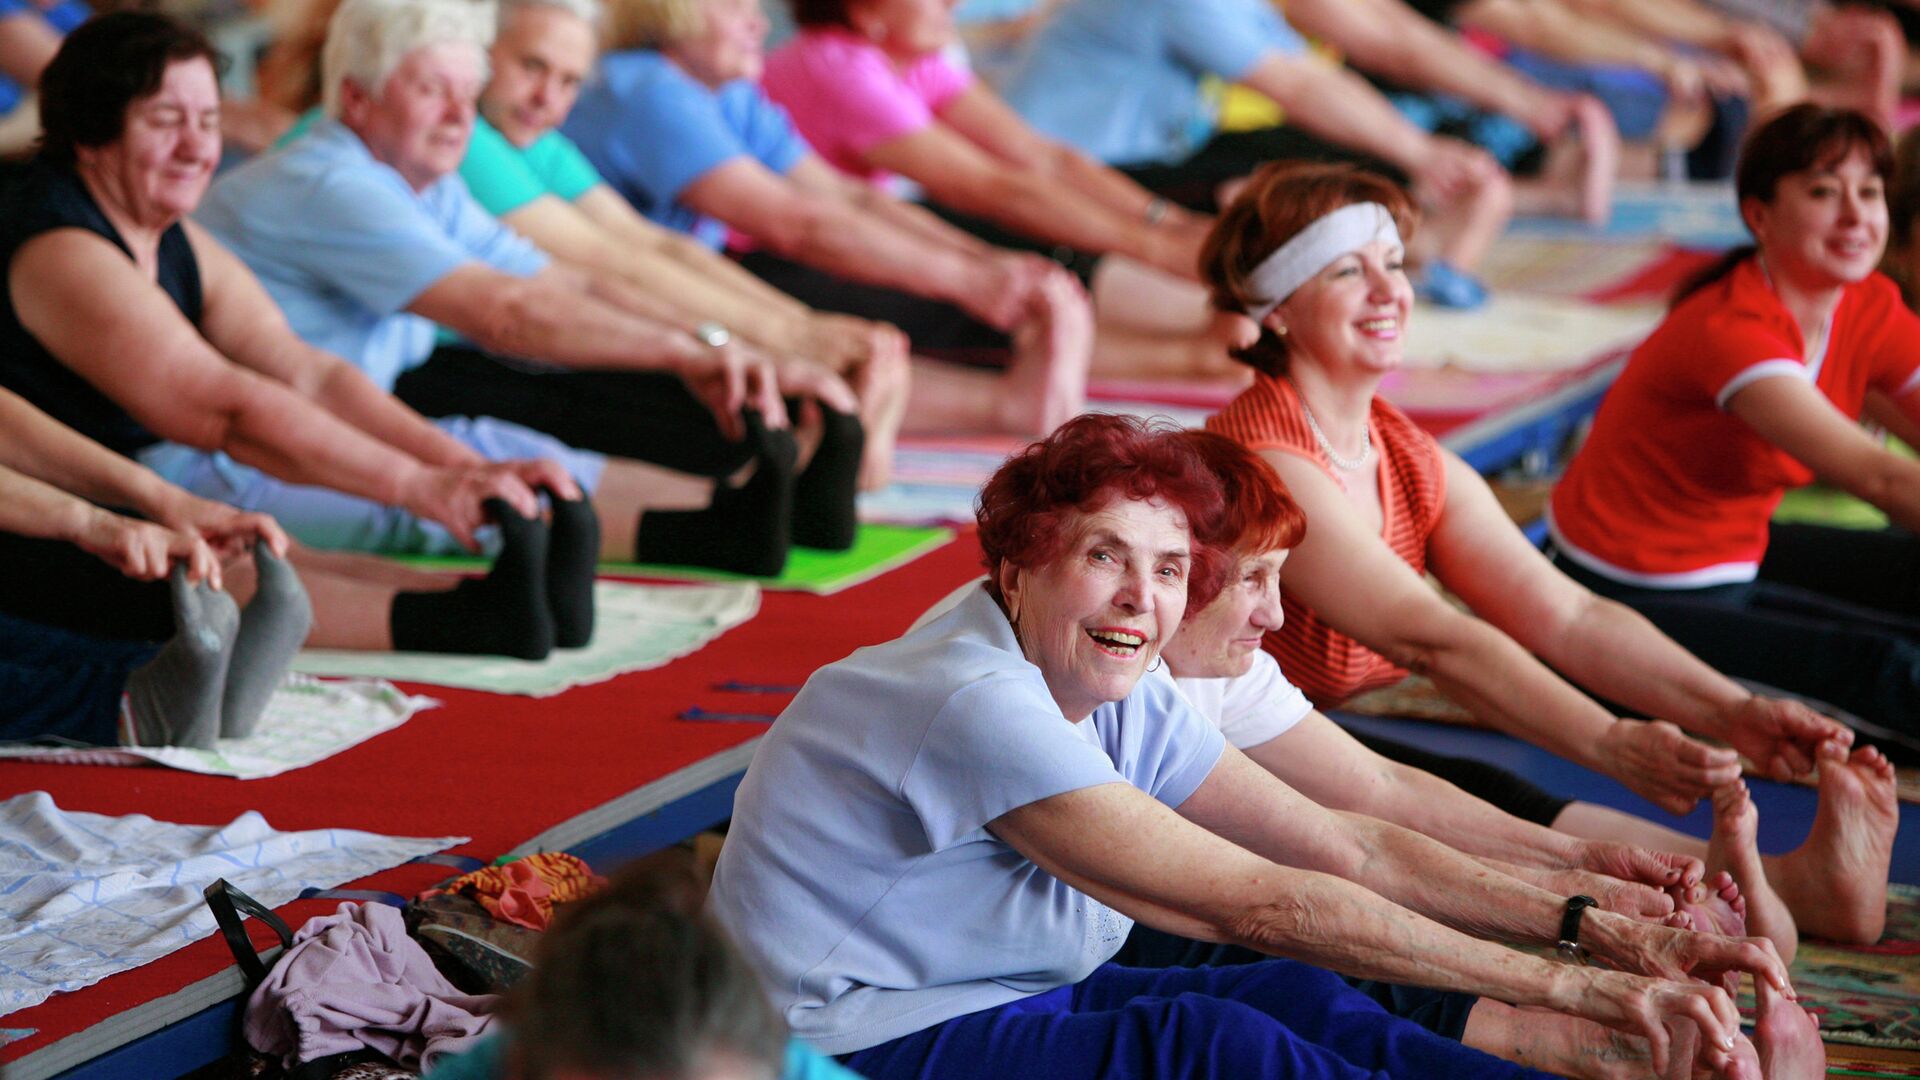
[(1354, 312), (1220, 641), (1093, 619), (539, 60), (421, 120), (1826, 226), (160, 166), (729, 45), (904, 29)]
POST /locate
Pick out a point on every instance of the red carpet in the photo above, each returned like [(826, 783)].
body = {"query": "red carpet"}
[(498, 769)]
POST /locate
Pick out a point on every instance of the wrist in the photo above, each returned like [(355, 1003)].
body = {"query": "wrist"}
[(1608, 936), (79, 521), (406, 481)]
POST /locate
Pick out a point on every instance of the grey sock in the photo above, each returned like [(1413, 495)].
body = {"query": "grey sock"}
[(175, 697), (272, 628)]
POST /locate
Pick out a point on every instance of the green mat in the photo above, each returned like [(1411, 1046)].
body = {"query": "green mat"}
[(877, 549)]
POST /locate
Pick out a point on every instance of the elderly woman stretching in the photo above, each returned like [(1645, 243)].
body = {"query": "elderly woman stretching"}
[(945, 837), (1314, 253), (1219, 666)]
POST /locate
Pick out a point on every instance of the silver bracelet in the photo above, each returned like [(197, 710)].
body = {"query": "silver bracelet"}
[(1156, 211)]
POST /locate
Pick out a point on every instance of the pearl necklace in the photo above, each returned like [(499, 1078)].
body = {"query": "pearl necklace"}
[(1344, 464)]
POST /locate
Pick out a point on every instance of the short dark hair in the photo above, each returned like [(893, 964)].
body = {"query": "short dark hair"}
[(1800, 138), (637, 981), (102, 68), (820, 13)]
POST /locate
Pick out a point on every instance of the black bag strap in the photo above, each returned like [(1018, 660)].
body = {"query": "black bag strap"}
[(227, 904)]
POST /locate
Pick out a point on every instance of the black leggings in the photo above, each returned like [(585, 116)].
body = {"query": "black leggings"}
[(935, 327), (632, 414), (1230, 155), (1834, 616), (1506, 790), (47, 581)]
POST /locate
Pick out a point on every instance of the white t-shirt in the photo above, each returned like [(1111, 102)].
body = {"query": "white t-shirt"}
[(859, 876), (1249, 709)]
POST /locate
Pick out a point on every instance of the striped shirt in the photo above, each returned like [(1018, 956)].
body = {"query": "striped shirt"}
[(1328, 665)]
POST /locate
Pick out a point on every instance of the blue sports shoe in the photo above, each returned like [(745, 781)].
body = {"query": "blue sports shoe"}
[(1444, 285)]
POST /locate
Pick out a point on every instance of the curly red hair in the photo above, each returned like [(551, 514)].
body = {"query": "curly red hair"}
[(1258, 513), (1088, 462)]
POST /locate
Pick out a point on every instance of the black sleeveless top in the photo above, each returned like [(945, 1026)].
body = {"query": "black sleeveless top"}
[(42, 199)]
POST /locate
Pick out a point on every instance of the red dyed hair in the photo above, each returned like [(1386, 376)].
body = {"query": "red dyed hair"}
[(1026, 508), (1258, 512)]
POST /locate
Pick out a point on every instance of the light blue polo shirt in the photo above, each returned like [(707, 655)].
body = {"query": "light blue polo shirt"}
[(651, 129), (1121, 79), (859, 876), (344, 244)]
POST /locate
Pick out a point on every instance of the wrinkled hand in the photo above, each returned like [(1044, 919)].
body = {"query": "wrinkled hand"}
[(729, 378), (1667, 952), (1663, 765), (227, 530), (452, 495), (1781, 737), (1451, 169), (1725, 77), (1644, 1007), (145, 551), (1629, 898), (1549, 114), (1008, 282), (1629, 863), (846, 343), (815, 382)]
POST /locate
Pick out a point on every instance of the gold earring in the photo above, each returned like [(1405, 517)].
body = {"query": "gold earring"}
[(1280, 330)]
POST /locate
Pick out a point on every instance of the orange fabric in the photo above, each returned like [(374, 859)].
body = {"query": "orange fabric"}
[(524, 891), (1326, 665), (1671, 489)]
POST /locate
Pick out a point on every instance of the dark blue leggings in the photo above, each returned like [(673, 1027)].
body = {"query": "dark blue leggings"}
[(1272, 1019)]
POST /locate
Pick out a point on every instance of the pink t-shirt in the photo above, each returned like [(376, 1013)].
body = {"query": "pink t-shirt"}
[(846, 96)]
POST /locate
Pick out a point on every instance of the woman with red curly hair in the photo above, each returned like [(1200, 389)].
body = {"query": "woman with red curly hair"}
[(945, 838)]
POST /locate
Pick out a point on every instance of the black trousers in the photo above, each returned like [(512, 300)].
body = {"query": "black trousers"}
[(935, 327), (647, 416), (47, 581), (1233, 154), (1834, 616)]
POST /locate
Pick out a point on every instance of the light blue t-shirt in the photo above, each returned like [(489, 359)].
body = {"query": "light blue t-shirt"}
[(344, 244), (1121, 79), (488, 1061), (651, 129), (859, 875)]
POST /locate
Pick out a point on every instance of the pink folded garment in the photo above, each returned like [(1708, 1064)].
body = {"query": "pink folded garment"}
[(355, 979)]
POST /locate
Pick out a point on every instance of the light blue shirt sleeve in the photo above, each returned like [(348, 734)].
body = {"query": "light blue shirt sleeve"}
[(1228, 37), (764, 126), (367, 239), (673, 134)]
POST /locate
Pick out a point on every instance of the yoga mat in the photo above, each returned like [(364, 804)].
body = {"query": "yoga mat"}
[(1700, 215), (1865, 995), (306, 721), (636, 627), (1517, 333), (94, 895), (876, 550), (1551, 266), (1890, 1065)]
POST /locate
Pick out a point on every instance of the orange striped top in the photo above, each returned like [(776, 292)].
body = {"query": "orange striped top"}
[(1327, 665)]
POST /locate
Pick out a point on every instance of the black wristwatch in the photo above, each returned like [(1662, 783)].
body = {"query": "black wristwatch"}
[(1569, 946)]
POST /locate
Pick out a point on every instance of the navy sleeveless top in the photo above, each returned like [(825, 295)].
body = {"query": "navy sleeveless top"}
[(45, 198)]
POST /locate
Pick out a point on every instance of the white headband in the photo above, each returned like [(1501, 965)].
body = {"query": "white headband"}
[(1313, 248)]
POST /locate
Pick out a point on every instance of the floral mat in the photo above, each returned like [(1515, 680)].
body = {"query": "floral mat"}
[(1866, 995)]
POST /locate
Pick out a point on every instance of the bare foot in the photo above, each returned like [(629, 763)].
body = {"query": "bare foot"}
[(1599, 159), (1788, 1037), (1732, 849), (1046, 384), (1836, 882), (1715, 906), (883, 385)]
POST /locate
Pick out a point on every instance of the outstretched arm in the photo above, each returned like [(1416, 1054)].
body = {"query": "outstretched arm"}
[(1125, 849), (1324, 763), (1348, 575), (1606, 646)]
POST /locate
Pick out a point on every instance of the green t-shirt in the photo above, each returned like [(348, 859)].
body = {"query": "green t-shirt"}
[(504, 178)]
